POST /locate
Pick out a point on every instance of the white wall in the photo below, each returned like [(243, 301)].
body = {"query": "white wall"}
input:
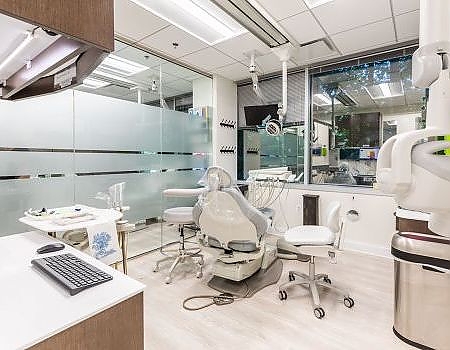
[(224, 107), (371, 234), (202, 91)]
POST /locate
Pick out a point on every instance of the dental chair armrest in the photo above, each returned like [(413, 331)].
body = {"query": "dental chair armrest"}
[(184, 192)]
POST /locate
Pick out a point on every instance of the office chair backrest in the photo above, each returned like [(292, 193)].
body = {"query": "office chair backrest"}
[(333, 218), (335, 223)]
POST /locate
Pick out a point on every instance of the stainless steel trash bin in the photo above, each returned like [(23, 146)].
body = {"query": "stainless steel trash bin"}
[(422, 289)]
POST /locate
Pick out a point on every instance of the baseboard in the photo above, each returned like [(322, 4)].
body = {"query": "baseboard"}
[(371, 249)]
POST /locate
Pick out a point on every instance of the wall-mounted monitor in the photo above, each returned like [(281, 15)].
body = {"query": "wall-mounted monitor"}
[(255, 115)]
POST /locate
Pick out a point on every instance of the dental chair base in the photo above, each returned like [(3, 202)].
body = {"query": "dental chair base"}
[(312, 281), (244, 279)]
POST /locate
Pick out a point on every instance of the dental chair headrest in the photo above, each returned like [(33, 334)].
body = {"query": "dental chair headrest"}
[(216, 178)]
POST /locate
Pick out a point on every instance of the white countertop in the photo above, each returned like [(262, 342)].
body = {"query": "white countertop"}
[(33, 307), (101, 216)]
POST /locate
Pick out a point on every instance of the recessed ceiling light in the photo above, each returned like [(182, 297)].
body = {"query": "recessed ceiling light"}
[(120, 65), (200, 18), (385, 90), (314, 3), (25, 42), (92, 83), (250, 15), (113, 76)]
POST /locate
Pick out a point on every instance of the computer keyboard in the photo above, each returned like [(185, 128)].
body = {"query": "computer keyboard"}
[(71, 272)]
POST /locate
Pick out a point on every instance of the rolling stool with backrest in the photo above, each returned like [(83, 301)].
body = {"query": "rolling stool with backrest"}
[(311, 242)]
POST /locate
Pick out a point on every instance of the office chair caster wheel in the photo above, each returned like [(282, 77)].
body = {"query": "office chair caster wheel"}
[(168, 280), (349, 302), (282, 294), (156, 268), (327, 280), (199, 274), (291, 277), (319, 312)]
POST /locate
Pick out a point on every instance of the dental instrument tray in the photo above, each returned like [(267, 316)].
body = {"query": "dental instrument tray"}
[(58, 213)]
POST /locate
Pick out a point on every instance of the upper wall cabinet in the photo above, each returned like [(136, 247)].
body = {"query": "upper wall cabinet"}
[(49, 45)]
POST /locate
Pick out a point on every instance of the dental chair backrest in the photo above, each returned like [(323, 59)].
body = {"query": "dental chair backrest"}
[(226, 217)]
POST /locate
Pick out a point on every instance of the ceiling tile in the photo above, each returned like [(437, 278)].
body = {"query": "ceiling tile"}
[(133, 22), (370, 36), (235, 71), (303, 27), (208, 59), (283, 9), (340, 15), (270, 63), (163, 41), (139, 56), (181, 85), (238, 47), (402, 6), (314, 52), (180, 71), (407, 25)]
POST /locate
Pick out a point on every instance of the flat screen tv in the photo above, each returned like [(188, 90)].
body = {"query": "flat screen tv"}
[(255, 115)]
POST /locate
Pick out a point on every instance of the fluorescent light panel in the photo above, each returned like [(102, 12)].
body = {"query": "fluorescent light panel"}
[(323, 100), (29, 37), (92, 83), (385, 90), (120, 65), (113, 76), (250, 18), (200, 18), (314, 3)]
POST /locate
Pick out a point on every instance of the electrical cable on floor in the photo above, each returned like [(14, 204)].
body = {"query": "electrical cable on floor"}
[(219, 300)]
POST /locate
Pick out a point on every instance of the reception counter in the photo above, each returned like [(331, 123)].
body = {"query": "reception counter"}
[(37, 313)]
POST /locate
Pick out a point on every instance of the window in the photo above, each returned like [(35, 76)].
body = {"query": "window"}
[(355, 110)]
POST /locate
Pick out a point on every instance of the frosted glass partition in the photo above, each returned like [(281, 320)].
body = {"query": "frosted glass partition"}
[(62, 149)]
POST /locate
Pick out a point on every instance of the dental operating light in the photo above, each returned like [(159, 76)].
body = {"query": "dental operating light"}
[(28, 39)]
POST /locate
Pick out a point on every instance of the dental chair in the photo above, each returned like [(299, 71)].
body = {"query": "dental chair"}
[(306, 243), (236, 231)]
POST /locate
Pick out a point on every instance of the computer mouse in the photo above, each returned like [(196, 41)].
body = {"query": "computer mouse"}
[(50, 248)]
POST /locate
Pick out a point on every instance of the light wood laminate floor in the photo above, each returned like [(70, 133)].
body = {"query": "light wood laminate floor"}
[(265, 322)]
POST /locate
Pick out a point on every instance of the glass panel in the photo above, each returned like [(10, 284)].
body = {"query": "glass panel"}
[(39, 122), (258, 150), (354, 111), (25, 163), (106, 123), (19, 195), (142, 193)]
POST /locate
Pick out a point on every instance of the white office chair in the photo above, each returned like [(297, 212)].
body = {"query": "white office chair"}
[(311, 242), (181, 216)]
